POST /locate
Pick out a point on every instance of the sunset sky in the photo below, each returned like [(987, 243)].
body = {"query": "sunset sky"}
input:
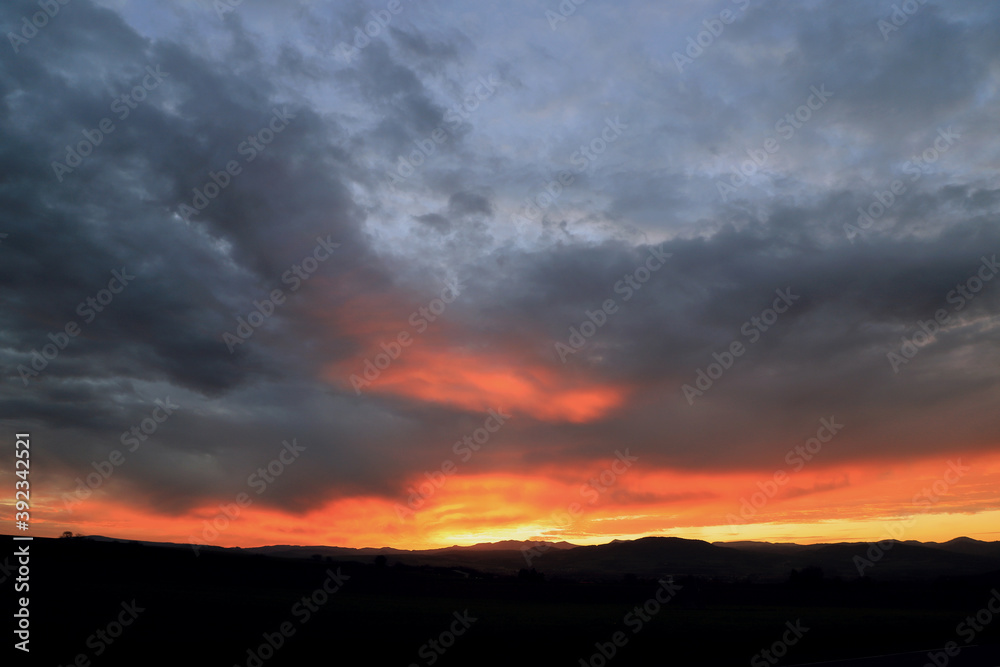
[(416, 274)]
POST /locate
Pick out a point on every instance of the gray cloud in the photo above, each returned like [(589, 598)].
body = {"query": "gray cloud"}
[(323, 176)]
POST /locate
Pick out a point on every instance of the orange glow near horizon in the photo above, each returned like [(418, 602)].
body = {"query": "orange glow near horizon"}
[(860, 502)]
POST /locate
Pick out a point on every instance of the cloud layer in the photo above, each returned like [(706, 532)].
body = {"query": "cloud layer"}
[(365, 244)]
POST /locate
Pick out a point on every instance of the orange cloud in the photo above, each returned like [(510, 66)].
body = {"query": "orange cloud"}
[(477, 382), (406, 348), (427, 369)]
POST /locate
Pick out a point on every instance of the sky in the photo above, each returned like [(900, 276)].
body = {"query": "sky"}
[(415, 274)]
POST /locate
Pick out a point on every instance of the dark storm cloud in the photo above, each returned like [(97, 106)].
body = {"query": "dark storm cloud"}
[(465, 203), (826, 355), (119, 210), (403, 108), (437, 222), (437, 50), (321, 178)]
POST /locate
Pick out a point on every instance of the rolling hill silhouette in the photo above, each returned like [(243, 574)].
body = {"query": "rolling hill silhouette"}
[(658, 556), (731, 601)]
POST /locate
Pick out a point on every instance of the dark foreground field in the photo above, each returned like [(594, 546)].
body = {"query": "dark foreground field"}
[(219, 608)]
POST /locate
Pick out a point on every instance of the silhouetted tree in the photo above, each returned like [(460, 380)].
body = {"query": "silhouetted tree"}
[(380, 561)]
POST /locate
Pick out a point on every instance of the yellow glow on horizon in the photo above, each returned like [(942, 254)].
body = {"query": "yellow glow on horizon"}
[(554, 503)]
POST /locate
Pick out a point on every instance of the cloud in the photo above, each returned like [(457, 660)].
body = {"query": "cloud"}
[(528, 281)]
